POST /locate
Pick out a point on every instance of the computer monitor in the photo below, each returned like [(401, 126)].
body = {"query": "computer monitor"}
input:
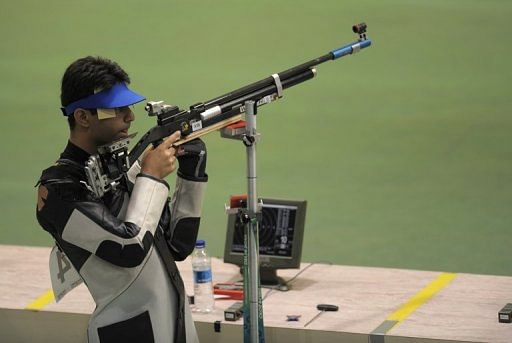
[(281, 233)]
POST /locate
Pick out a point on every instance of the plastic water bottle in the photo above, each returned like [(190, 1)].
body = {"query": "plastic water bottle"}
[(203, 289)]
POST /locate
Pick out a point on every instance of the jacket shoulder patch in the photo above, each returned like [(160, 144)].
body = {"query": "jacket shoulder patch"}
[(42, 194)]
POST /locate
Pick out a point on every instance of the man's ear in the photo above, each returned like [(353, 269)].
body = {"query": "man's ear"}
[(82, 117)]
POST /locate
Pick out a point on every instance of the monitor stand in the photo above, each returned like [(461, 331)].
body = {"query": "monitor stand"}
[(269, 278)]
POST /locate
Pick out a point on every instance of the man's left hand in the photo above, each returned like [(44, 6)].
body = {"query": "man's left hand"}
[(192, 161)]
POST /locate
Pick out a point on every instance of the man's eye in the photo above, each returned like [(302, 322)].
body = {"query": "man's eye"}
[(122, 109)]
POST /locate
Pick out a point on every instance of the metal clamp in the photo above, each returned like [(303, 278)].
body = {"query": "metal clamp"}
[(356, 48), (279, 85), (248, 140)]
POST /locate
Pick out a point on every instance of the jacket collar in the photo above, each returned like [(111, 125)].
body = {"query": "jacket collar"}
[(75, 153)]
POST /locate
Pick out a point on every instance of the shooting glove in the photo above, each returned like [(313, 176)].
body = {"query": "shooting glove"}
[(192, 161)]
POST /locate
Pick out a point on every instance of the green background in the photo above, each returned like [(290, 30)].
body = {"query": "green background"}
[(403, 151)]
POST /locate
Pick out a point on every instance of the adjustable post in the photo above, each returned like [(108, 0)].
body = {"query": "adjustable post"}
[(253, 282)]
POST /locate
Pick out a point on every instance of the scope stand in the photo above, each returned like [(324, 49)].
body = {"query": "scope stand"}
[(253, 308)]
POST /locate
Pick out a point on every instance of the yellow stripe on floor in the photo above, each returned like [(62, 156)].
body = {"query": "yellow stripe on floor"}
[(404, 311), (421, 297), (42, 301)]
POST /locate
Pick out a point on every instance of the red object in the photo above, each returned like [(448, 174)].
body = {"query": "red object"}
[(237, 125), (238, 201), (235, 295), (231, 290)]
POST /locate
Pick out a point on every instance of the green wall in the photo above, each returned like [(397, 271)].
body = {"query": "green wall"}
[(403, 151)]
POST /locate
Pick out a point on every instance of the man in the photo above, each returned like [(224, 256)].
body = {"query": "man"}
[(123, 245)]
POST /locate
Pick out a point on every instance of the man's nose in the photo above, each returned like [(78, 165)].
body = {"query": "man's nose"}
[(129, 117)]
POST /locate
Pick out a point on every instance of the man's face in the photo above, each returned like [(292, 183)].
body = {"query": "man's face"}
[(104, 131)]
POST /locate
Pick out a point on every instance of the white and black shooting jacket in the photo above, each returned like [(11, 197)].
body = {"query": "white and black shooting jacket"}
[(124, 247)]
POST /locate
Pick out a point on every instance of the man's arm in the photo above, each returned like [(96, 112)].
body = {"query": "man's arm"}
[(89, 224), (67, 210), (187, 201)]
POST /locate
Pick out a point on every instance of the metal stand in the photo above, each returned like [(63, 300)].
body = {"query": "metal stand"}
[(253, 309), (252, 282)]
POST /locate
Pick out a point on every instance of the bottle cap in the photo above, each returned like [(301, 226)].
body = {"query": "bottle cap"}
[(200, 243)]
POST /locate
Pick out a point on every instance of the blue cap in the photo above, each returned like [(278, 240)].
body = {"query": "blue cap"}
[(200, 243), (117, 96)]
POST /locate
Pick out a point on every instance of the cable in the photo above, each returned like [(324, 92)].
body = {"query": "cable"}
[(272, 288), (303, 270)]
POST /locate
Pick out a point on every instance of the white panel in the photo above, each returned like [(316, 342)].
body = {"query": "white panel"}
[(81, 231)]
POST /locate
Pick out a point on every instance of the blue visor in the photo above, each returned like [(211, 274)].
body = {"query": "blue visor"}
[(117, 96)]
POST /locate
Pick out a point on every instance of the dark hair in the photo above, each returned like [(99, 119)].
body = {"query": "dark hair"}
[(85, 75)]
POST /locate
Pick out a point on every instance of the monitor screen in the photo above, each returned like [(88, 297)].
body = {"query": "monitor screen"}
[(281, 232), (276, 231)]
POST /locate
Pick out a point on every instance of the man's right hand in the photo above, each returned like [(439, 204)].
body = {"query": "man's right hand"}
[(161, 161)]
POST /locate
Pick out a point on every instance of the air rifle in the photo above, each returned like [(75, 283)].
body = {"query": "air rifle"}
[(107, 169), (227, 108)]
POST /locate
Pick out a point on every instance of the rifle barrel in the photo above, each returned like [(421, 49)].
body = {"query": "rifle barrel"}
[(332, 55)]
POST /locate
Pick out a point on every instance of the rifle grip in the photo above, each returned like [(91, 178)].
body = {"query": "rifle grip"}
[(157, 143)]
